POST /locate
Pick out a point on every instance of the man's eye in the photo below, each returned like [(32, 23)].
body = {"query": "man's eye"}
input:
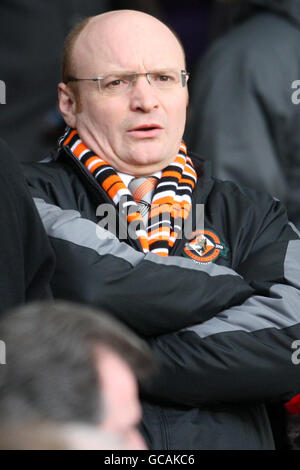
[(164, 78), (117, 83)]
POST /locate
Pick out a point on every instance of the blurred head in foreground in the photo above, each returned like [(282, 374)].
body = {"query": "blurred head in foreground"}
[(67, 363), (59, 437)]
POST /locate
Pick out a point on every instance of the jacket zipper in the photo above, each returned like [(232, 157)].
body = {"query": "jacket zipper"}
[(164, 432)]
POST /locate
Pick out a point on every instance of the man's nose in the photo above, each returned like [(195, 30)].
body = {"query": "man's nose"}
[(143, 96)]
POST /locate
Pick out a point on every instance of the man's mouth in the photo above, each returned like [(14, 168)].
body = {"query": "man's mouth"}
[(146, 131)]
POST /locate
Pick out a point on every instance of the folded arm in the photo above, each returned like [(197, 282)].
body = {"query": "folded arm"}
[(151, 294), (245, 352)]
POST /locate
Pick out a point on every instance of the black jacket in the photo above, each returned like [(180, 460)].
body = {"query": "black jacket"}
[(222, 330), (244, 117), (27, 260)]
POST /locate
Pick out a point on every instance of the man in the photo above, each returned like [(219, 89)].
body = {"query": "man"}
[(220, 303), (27, 260), (67, 364), (245, 101)]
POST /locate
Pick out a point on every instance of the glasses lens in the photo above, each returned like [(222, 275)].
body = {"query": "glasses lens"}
[(169, 79), (115, 84)]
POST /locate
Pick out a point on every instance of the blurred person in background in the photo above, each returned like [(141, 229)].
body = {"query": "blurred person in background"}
[(65, 364), (243, 116), (32, 33), (26, 256)]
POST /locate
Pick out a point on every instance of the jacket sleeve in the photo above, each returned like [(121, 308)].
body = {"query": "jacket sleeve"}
[(27, 260), (245, 353), (151, 294)]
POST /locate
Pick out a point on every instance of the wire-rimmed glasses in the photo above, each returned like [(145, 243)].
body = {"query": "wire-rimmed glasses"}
[(120, 82)]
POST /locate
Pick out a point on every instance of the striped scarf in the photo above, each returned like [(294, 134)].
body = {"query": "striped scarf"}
[(171, 202)]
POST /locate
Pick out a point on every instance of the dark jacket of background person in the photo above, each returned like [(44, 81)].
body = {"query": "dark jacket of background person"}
[(27, 260), (214, 325), (243, 117)]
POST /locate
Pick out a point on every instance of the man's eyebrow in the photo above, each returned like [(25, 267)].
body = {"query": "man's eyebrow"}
[(131, 72), (120, 72)]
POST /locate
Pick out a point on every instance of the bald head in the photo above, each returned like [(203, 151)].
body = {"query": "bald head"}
[(103, 34)]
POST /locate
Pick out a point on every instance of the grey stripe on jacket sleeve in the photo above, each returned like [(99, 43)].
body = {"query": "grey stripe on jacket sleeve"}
[(293, 226), (280, 310), (292, 264), (68, 225)]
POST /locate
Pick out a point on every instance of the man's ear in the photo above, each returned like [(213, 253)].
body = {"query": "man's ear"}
[(67, 104), (187, 91)]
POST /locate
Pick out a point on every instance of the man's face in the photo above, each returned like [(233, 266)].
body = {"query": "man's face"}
[(108, 124), (120, 399)]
